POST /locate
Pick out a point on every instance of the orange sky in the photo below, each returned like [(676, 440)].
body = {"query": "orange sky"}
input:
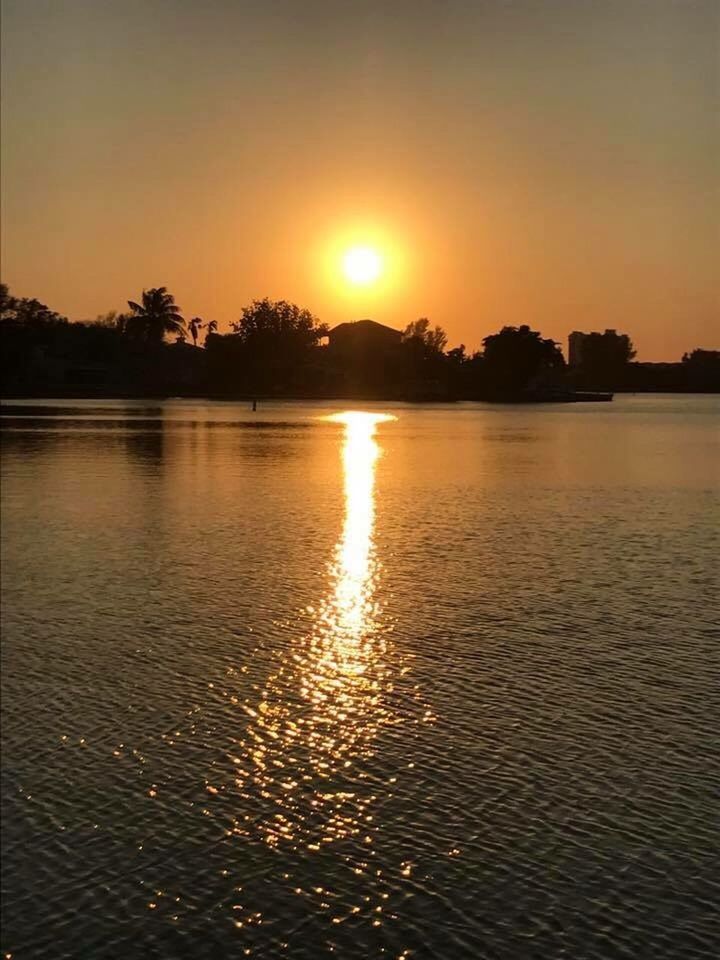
[(544, 161)]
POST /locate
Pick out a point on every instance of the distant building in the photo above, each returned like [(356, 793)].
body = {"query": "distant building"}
[(577, 341), (365, 358), (575, 345), (363, 336)]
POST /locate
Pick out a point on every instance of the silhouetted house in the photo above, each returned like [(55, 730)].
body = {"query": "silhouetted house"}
[(363, 336), (365, 357)]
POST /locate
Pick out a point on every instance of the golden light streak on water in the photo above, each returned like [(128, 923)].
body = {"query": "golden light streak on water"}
[(349, 611), (302, 764)]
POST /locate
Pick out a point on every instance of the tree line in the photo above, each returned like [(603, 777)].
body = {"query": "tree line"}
[(279, 349)]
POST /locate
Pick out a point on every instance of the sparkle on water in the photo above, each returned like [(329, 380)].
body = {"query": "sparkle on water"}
[(320, 711)]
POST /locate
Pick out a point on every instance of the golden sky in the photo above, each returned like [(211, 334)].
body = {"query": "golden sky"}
[(553, 162)]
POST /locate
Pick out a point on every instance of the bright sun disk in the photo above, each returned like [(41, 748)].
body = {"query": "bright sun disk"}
[(362, 265)]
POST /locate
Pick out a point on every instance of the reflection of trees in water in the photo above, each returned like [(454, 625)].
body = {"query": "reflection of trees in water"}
[(145, 445), (28, 441), (255, 439), (101, 428), (84, 414), (99, 438)]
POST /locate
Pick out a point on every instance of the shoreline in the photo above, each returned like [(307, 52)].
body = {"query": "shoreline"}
[(347, 398)]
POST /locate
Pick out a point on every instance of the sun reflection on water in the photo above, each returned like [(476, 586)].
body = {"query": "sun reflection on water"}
[(348, 613), (303, 764)]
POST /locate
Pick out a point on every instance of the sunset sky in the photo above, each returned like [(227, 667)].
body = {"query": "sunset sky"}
[(552, 162)]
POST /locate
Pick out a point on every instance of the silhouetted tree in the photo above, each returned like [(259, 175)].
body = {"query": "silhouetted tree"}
[(515, 357), (155, 316), (276, 340), (701, 358), (605, 358), (25, 311), (42, 352), (701, 370), (279, 322), (457, 355), (7, 303), (422, 367), (433, 340), (194, 327), (462, 373), (112, 320), (211, 328)]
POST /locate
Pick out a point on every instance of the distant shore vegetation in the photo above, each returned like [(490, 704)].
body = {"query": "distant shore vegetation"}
[(278, 349)]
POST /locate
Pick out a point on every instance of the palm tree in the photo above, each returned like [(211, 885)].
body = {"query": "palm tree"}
[(211, 327), (157, 315), (194, 326)]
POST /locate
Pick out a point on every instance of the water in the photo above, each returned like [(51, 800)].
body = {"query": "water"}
[(300, 685)]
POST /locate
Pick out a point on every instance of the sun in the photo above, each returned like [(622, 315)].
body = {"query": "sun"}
[(362, 265)]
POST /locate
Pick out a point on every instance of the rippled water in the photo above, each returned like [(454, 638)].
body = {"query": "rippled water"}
[(402, 682)]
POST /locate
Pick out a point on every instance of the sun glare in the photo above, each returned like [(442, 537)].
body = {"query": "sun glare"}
[(362, 265)]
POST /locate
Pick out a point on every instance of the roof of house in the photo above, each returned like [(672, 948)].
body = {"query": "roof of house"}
[(364, 326)]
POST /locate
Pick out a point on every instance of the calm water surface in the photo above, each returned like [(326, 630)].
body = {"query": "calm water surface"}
[(398, 682)]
